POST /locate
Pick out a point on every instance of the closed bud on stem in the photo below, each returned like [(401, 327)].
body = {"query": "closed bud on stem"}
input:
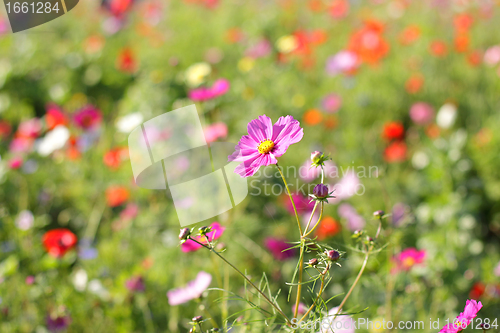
[(379, 213), (197, 319), (313, 262), (316, 156), (333, 255), (184, 234), (320, 191)]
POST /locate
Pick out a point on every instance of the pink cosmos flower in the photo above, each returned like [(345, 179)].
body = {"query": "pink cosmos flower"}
[(408, 258), (346, 187), (192, 290), (342, 62), (88, 117), (354, 220), (331, 103), (215, 131), (265, 143), (260, 49), (279, 248), (492, 55), (463, 320), (219, 88), (190, 246), (421, 113)]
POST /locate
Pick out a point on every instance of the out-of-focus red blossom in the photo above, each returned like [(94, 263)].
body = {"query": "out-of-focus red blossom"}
[(462, 42), (395, 152), (73, 153), (368, 42), (59, 241), (234, 35), (409, 35), (463, 22), (414, 84), (328, 227), (316, 5), (474, 58), (339, 9), (15, 163), (126, 61), (114, 157), (393, 130), (29, 129), (207, 3), (432, 131), (116, 195), (119, 7), (477, 290), (438, 49), (55, 117), (5, 129)]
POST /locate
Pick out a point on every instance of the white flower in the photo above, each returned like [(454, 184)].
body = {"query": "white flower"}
[(55, 139), (80, 279), (420, 160), (127, 123), (95, 287), (24, 220), (446, 116)]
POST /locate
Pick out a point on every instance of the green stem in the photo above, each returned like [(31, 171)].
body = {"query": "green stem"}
[(317, 223), (310, 218), (317, 298), (247, 279), (291, 198), (299, 286)]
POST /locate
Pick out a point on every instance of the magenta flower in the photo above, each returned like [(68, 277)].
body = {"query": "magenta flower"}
[(421, 113), (219, 88), (88, 117), (279, 248), (190, 246), (264, 143), (463, 320), (16, 163), (408, 258), (192, 290), (135, 284), (215, 131)]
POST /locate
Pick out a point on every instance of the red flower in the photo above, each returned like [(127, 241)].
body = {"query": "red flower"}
[(115, 157), (116, 195), (328, 228), (127, 61), (461, 42), (438, 49), (5, 129), (409, 35), (59, 241), (463, 22), (368, 42), (55, 117), (395, 152), (477, 290), (414, 84), (339, 8), (393, 130), (474, 58)]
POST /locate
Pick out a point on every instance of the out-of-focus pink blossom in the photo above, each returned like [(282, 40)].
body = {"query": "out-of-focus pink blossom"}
[(260, 49), (346, 187), (135, 284), (331, 103), (497, 269), (408, 258), (190, 246), (215, 131), (88, 117), (29, 128), (279, 248), (354, 220), (342, 62), (421, 113), (192, 290), (16, 163), (219, 88), (21, 145), (492, 55)]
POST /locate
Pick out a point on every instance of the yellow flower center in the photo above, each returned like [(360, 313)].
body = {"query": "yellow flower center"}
[(266, 147), (408, 262)]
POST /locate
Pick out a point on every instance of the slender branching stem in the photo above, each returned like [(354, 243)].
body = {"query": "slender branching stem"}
[(291, 198), (246, 278), (317, 223), (310, 218), (321, 288), (299, 286)]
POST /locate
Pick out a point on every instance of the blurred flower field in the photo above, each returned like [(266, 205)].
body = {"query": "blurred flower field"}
[(403, 96)]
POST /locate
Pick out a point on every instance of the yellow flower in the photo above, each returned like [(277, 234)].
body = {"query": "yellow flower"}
[(287, 44), (246, 64), (196, 73)]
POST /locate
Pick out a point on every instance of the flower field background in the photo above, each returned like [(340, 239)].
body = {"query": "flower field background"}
[(403, 96)]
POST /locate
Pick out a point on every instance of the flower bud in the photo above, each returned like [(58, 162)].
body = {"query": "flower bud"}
[(204, 230), (184, 234), (316, 156), (379, 213), (197, 319), (320, 191), (333, 255), (313, 262)]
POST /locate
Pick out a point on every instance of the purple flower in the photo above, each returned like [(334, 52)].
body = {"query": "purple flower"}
[(88, 117), (421, 113), (58, 323), (192, 290), (344, 61), (135, 284), (354, 220), (265, 143), (278, 248)]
